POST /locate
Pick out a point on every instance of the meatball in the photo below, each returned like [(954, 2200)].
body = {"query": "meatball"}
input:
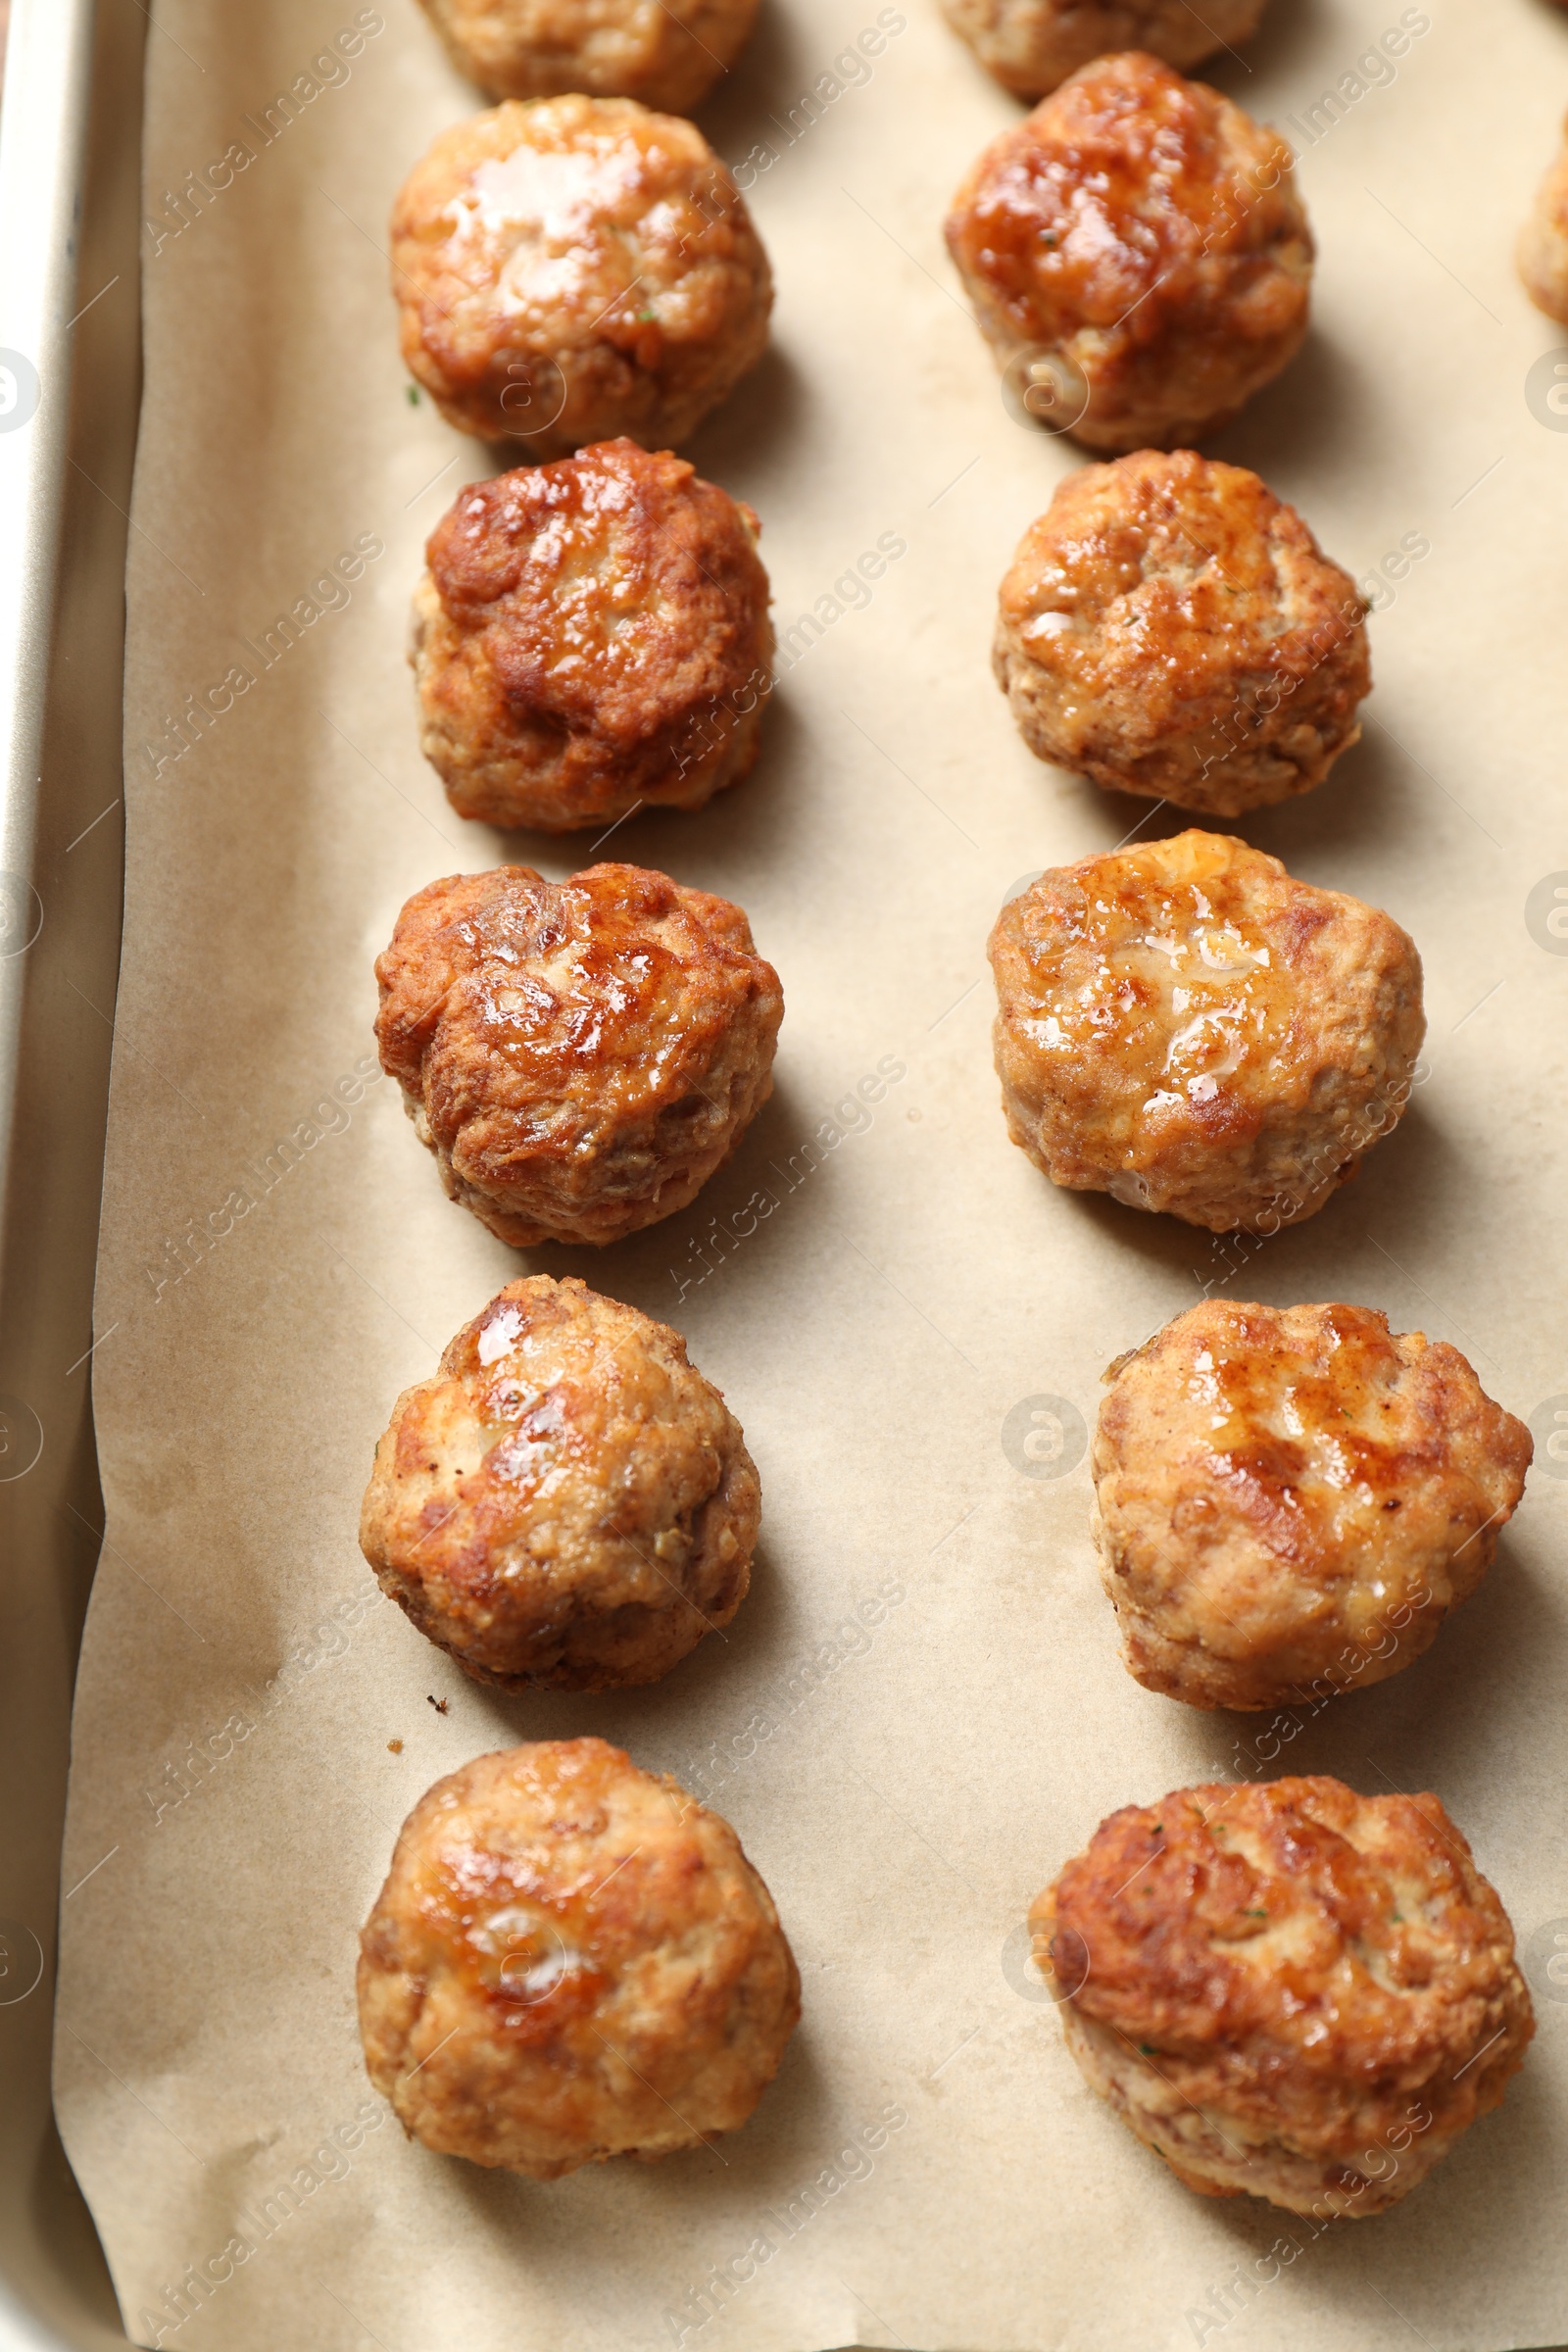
[(665, 54), (567, 1505), (573, 269), (1286, 1989), (581, 1055), (1543, 246), (571, 1959), (592, 637), (1168, 627), (1184, 1026), (1141, 237), (1032, 45), (1287, 1502)]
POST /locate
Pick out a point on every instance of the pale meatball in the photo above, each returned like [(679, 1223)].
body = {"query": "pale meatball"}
[(571, 1959), (1287, 1502), (1186, 1027), (1170, 629), (580, 1057), (1286, 1990), (1543, 246), (568, 1505), (665, 53), (1142, 237), (1032, 45), (592, 637), (573, 269)]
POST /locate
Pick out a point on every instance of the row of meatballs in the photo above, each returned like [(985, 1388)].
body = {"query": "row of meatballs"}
[(671, 56), (591, 637), (572, 269), (1286, 1990)]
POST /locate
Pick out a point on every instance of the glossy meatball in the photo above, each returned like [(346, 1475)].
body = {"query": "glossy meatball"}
[(591, 637), (1290, 1502), (580, 1057), (1168, 627), (571, 1959), (1286, 1989), (1184, 1026), (1032, 45), (575, 269), (1543, 246), (665, 53), (567, 1505), (1142, 237)]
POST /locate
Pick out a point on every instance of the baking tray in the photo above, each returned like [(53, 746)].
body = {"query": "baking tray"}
[(70, 200), (70, 346)]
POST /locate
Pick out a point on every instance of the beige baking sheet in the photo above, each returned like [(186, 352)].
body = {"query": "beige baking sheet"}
[(919, 1711)]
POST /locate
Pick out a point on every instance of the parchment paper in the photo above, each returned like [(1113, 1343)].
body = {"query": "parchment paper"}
[(919, 1711)]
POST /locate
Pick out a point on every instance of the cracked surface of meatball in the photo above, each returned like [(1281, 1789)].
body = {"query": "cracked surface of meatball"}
[(1543, 245), (663, 52), (580, 1057), (1286, 1989), (1145, 237), (1169, 627), (571, 1959), (1289, 1502), (1030, 46), (568, 1505), (568, 269), (591, 637), (1184, 1026)]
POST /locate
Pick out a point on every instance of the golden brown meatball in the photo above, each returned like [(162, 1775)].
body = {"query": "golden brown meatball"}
[(665, 53), (1142, 237), (571, 1959), (1543, 245), (567, 1505), (1287, 1502), (592, 637), (1032, 45), (1184, 1026), (1286, 1990), (580, 1057), (1168, 627), (573, 269)]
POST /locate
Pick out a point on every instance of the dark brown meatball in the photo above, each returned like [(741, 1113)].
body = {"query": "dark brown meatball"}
[(580, 1057), (1142, 237), (592, 637)]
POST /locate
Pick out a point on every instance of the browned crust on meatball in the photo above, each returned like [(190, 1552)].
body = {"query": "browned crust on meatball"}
[(580, 1057), (1169, 627), (571, 1959), (1030, 46), (572, 268), (663, 52), (1187, 1027), (1287, 1990), (592, 636), (1543, 243), (568, 1505), (1147, 235), (1289, 1502)]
